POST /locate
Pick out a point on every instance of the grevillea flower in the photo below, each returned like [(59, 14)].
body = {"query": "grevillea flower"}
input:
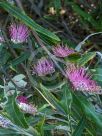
[(4, 122), (81, 81), (61, 51), (18, 33), (44, 67), (25, 106)]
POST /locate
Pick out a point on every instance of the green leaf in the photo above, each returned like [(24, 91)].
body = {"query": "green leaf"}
[(29, 22), (86, 57), (97, 74), (67, 98), (14, 112), (40, 127), (33, 131), (79, 129), (18, 80), (20, 59), (4, 56), (88, 109), (69, 43), (17, 46), (7, 132), (57, 4), (51, 99), (73, 57)]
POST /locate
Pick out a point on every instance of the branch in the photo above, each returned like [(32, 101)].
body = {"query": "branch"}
[(79, 46)]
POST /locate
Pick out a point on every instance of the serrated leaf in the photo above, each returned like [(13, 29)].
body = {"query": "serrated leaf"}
[(28, 21)]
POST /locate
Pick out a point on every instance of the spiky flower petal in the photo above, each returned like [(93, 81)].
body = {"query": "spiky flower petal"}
[(61, 51), (44, 67), (4, 122), (81, 81), (18, 33)]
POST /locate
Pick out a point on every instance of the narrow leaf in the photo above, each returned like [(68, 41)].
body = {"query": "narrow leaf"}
[(67, 98), (86, 57), (79, 129), (84, 15), (88, 109), (14, 113), (20, 59), (52, 99)]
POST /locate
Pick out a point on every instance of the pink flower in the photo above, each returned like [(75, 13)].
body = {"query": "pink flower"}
[(18, 33), (25, 106), (81, 81), (61, 51), (44, 67)]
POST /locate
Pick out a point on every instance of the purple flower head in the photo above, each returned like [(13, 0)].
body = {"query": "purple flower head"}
[(44, 67), (18, 33), (22, 99), (25, 106), (81, 81), (61, 51)]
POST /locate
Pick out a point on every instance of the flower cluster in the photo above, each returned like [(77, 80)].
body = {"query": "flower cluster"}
[(25, 106), (44, 67), (81, 80), (77, 75), (61, 51), (18, 33), (4, 122)]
